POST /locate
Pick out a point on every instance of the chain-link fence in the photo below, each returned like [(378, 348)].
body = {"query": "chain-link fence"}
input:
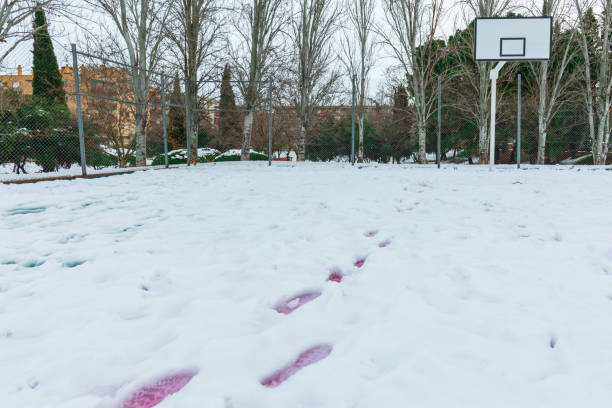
[(390, 131), (82, 121), (100, 123), (43, 135), (36, 134)]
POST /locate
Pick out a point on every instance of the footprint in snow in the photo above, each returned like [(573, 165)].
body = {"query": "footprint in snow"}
[(335, 275), (295, 302), (73, 264), (32, 264), (308, 357), (151, 394), (553, 342), (359, 261), (25, 210)]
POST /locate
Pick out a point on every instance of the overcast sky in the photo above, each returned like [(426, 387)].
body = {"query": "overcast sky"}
[(64, 32)]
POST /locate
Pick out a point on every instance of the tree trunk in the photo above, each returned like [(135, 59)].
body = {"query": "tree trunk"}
[(122, 160), (588, 92), (141, 138), (599, 145), (483, 144), (246, 136), (192, 117), (301, 153), (606, 141), (590, 115), (360, 148), (483, 114), (541, 159), (193, 133), (542, 116), (603, 110), (422, 140)]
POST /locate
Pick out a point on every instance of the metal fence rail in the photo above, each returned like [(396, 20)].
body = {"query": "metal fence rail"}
[(94, 127)]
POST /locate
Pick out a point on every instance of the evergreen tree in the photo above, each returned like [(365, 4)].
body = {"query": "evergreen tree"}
[(229, 118), (47, 81), (176, 117), (400, 144)]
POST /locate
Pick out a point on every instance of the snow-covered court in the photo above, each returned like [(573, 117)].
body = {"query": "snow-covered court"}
[(236, 285)]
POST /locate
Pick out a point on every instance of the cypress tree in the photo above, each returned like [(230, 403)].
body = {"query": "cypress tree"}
[(47, 81), (229, 118)]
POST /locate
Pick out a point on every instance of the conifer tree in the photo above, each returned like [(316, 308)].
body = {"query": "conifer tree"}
[(176, 117), (229, 117), (47, 81)]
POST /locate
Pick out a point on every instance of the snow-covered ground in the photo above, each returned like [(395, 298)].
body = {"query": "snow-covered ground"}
[(459, 287), (34, 171)]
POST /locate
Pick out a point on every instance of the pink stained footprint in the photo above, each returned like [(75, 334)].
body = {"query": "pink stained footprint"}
[(370, 233), (152, 394), (308, 357), (335, 275), (384, 244), (297, 301), (359, 262)]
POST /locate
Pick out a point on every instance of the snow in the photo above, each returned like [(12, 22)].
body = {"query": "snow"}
[(491, 288), (237, 152), (285, 154), (202, 151), (34, 171)]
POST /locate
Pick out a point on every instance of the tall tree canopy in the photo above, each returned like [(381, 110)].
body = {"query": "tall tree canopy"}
[(47, 81)]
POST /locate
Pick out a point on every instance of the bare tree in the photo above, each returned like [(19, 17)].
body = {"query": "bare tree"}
[(605, 85), (16, 23), (260, 28), (312, 31), (110, 117), (481, 82), (584, 27), (597, 98), (411, 35), (358, 54), (553, 80), (194, 30), (140, 24)]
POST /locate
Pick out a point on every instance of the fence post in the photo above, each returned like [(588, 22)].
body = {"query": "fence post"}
[(518, 126), (164, 120), (77, 92), (270, 122), (353, 121), (187, 122), (438, 155)]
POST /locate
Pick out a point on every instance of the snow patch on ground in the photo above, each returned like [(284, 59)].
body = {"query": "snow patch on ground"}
[(34, 171), (495, 291)]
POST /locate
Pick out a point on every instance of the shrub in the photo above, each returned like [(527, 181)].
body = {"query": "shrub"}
[(180, 157), (236, 157), (174, 157), (207, 158), (99, 159)]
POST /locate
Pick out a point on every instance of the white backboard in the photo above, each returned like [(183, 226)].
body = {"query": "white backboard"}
[(512, 39)]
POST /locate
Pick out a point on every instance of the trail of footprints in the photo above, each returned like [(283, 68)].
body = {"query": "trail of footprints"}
[(288, 306), (155, 392)]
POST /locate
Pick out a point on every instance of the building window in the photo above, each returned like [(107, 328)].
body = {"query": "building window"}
[(65, 83), (66, 98), (15, 85)]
